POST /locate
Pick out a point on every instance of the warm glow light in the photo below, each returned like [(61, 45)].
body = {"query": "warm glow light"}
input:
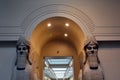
[(49, 24), (67, 24), (65, 34)]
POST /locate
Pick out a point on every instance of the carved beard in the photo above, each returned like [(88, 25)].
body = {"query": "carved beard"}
[(93, 61)]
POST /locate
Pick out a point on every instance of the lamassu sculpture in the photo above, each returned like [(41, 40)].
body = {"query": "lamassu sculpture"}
[(22, 64), (92, 69)]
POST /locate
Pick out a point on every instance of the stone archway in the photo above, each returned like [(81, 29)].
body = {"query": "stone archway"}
[(40, 15), (52, 10), (56, 34)]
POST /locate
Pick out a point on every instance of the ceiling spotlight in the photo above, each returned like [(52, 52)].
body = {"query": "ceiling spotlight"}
[(65, 34), (49, 24), (67, 24)]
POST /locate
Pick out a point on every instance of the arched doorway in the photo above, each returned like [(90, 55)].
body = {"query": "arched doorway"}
[(56, 36)]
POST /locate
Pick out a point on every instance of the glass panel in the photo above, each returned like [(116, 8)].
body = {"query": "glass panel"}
[(59, 61), (58, 68)]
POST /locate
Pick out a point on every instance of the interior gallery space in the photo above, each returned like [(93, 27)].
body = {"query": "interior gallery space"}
[(59, 40)]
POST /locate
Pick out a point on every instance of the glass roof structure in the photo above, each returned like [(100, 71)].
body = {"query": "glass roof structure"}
[(58, 67), (59, 61)]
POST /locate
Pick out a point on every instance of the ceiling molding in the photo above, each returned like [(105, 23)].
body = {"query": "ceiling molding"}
[(10, 33), (107, 33)]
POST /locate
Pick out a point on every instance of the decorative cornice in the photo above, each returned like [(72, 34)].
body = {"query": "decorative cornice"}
[(107, 33), (10, 30), (10, 33)]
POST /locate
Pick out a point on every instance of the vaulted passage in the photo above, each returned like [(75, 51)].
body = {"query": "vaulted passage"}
[(56, 37)]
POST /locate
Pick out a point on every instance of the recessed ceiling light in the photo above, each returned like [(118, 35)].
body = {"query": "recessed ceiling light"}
[(65, 34), (67, 24), (49, 24)]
